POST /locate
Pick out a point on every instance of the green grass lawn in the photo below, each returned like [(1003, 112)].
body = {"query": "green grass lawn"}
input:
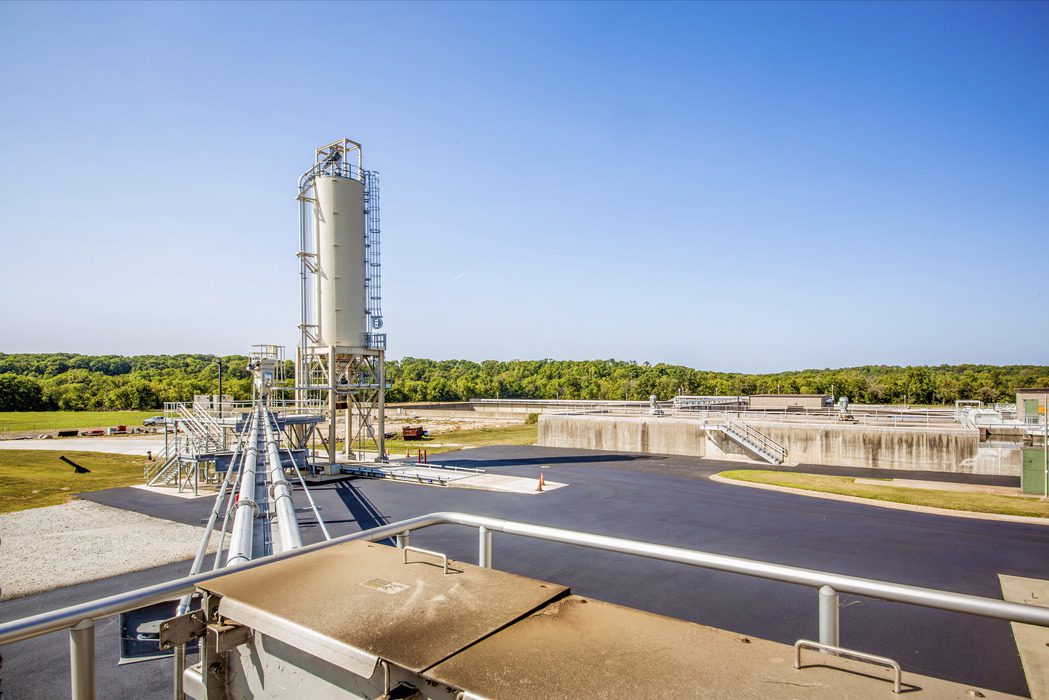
[(477, 437), (36, 478), (43, 421), (974, 502)]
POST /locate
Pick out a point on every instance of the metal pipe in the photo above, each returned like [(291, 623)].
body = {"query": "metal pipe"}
[(82, 660), (828, 616), (309, 496), (198, 559), (246, 509), (230, 502), (280, 491)]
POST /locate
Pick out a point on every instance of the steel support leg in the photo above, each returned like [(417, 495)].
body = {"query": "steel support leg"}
[(82, 660), (828, 616), (180, 668), (404, 539)]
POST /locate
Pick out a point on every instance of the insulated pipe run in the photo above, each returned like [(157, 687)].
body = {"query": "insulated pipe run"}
[(246, 509), (280, 492), (198, 560)]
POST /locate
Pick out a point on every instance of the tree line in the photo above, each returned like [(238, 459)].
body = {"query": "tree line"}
[(143, 382)]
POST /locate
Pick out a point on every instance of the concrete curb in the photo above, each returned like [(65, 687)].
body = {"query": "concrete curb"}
[(1027, 520)]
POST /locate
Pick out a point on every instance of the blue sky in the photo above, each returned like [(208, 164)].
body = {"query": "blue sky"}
[(739, 187)]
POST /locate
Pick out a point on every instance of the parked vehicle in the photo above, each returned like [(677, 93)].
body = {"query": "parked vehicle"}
[(153, 421)]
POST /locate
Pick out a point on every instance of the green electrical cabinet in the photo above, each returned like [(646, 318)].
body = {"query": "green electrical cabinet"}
[(1033, 480)]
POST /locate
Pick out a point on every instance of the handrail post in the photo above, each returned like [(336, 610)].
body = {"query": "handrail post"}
[(404, 539), (828, 616), (82, 660), (484, 547)]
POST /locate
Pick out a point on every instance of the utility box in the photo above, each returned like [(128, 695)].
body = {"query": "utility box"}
[(1030, 405), (1033, 479)]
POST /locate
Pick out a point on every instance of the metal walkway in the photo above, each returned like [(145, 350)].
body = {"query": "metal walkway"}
[(431, 474)]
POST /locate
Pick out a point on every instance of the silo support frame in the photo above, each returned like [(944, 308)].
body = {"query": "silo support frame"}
[(352, 388)]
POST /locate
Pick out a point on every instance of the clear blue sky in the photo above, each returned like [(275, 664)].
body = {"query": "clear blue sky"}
[(742, 187)]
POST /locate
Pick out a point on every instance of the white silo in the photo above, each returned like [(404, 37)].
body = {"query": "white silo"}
[(340, 361), (340, 287)]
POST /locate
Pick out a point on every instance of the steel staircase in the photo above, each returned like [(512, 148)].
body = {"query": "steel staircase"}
[(754, 441), (204, 433), (200, 434), (163, 470)]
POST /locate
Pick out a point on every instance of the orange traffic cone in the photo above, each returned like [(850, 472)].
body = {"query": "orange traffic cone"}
[(542, 480)]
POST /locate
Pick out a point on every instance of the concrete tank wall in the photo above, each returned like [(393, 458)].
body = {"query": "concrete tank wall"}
[(927, 449)]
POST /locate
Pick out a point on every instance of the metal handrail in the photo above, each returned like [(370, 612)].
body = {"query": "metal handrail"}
[(766, 443), (74, 615)]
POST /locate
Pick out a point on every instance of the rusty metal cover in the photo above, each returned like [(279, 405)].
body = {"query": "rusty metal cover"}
[(360, 597)]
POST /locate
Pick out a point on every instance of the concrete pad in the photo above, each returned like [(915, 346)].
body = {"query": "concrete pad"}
[(1032, 641), (421, 471), (505, 483), (113, 445), (584, 648), (202, 491)]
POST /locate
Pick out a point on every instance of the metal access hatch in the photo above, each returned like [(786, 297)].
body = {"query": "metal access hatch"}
[(358, 602)]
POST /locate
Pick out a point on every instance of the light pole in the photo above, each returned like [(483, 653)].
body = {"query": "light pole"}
[(220, 405), (220, 388)]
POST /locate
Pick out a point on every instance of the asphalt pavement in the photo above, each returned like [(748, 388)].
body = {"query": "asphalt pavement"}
[(667, 500)]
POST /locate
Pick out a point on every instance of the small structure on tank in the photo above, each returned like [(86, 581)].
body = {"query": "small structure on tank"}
[(790, 402)]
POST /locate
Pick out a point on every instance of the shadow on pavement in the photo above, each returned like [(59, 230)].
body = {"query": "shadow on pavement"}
[(361, 507)]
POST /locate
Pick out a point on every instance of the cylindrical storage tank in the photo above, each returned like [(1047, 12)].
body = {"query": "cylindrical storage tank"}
[(339, 211)]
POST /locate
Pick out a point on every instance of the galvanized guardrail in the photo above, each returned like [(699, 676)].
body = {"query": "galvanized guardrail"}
[(79, 619)]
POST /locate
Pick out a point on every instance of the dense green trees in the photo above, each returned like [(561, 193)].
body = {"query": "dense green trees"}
[(82, 382), (20, 393), (450, 380)]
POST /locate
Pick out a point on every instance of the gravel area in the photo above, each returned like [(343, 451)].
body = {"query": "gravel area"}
[(46, 548)]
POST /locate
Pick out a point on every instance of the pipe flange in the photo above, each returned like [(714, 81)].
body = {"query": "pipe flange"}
[(249, 502)]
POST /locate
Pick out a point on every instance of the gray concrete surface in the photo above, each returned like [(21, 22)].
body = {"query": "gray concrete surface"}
[(659, 499), (116, 444), (1031, 641), (930, 448)]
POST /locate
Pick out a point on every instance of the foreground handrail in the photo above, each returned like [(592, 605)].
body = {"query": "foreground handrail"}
[(55, 620), (43, 623)]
